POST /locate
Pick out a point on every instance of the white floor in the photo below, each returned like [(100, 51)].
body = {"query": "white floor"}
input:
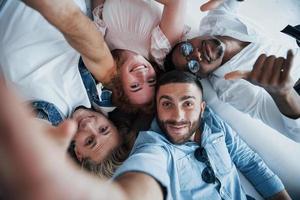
[(280, 153)]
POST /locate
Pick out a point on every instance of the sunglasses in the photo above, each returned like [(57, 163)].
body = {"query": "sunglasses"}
[(207, 174), (186, 49)]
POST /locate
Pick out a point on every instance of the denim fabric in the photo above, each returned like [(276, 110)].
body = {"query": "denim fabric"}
[(47, 111), (2, 3), (297, 87), (179, 172)]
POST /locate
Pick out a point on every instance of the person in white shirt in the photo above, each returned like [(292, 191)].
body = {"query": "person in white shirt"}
[(138, 33), (228, 43), (38, 61)]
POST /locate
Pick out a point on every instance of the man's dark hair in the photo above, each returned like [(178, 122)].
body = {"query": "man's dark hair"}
[(177, 76), (168, 63)]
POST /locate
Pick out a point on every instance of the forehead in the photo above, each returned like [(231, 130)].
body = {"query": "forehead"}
[(175, 91)]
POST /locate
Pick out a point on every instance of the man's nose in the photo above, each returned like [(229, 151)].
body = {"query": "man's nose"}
[(178, 114), (196, 55)]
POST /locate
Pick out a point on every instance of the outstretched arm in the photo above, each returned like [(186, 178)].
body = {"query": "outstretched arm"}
[(253, 167), (81, 34), (34, 164), (172, 21)]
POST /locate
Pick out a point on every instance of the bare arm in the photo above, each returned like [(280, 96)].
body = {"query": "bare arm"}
[(172, 21), (81, 34), (34, 163), (273, 74), (283, 195), (140, 186)]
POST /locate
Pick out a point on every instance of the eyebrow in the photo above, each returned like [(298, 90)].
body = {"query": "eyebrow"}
[(165, 97), (187, 97)]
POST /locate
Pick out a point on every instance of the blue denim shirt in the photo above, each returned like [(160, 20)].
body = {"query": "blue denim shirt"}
[(2, 3), (48, 111), (177, 170)]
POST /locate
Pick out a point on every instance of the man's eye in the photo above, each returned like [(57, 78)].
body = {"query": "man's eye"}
[(188, 104), (166, 104)]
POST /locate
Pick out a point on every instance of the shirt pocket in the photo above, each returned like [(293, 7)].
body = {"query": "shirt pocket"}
[(219, 152), (189, 174)]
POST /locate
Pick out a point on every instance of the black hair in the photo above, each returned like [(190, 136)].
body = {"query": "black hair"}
[(168, 63), (176, 76)]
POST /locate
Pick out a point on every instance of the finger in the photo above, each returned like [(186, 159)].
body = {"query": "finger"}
[(17, 140), (65, 132), (287, 66), (237, 75), (210, 5), (256, 71), (12, 112), (266, 70), (276, 71)]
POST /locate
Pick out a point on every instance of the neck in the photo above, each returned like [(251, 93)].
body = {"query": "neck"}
[(233, 47), (197, 136)]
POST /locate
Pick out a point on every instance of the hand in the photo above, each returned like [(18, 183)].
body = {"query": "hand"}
[(32, 154), (271, 73), (210, 5)]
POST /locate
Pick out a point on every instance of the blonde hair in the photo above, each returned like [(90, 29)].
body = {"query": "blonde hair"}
[(107, 167)]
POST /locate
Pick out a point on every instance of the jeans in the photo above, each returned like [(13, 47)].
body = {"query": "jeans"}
[(47, 111)]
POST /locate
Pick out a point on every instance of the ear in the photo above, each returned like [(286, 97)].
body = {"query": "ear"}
[(203, 105)]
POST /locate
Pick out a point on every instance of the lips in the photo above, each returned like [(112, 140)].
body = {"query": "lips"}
[(207, 51), (176, 129)]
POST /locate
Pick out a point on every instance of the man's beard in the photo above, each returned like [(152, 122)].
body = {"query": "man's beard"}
[(193, 126)]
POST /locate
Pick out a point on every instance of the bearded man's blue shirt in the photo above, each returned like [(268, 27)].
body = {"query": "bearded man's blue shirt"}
[(179, 172)]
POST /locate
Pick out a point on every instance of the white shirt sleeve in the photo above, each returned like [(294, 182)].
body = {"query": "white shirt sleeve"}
[(255, 101), (160, 46)]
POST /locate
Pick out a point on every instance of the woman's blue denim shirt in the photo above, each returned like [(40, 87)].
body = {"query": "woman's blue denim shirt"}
[(48, 111)]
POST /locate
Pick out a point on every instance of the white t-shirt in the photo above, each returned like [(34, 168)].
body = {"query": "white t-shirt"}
[(37, 60), (241, 94), (133, 25)]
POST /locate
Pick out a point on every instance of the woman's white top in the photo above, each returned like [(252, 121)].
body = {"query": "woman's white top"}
[(133, 25)]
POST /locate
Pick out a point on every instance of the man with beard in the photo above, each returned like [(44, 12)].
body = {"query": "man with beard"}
[(189, 153), (230, 47), (192, 153)]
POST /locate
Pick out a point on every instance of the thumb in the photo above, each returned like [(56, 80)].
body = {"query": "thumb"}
[(239, 74), (65, 132), (210, 5)]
